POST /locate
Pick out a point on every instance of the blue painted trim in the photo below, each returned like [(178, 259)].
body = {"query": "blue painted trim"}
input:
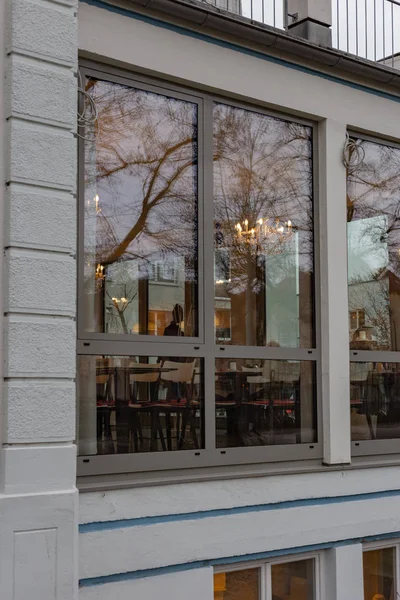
[(132, 575), (231, 46), (237, 510)]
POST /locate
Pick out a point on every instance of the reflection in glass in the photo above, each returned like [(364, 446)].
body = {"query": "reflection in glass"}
[(140, 214), (139, 404), (293, 581), (373, 232), (379, 574), (263, 219), (237, 585), (375, 400), (264, 402)]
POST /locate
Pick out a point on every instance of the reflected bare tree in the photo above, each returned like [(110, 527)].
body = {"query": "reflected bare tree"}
[(263, 184), (373, 214), (141, 189)]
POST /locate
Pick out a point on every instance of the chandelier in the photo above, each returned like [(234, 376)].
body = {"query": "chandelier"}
[(99, 272), (262, 231)]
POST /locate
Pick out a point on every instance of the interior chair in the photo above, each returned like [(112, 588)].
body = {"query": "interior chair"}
[(149, 383), (179, 381), (104, 406)]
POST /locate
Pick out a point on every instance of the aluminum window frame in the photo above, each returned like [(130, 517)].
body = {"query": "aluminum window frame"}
[(385, 446), (203, 346)]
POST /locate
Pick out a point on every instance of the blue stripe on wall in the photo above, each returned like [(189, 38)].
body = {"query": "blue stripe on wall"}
[(238, 510), (237, 48), (132, 575)]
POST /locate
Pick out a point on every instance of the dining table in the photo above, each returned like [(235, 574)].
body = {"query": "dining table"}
[(121, 396)]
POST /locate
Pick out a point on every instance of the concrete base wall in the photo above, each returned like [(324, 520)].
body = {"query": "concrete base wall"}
[(38, 496)]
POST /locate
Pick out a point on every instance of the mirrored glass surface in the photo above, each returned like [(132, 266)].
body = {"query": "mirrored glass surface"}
[(132, 404), (293, 581), (375, 400), (264, 402), (263, 230), (373, 233), (140, 214)]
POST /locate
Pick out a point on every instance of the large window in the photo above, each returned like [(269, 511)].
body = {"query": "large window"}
[(196, 320), (373, 225), (294, 580)]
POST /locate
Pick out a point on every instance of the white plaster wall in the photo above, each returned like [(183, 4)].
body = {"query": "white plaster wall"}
[(136, 503), (196, 584), (131, 42), (238, 535), (125, 41), (38, 497)]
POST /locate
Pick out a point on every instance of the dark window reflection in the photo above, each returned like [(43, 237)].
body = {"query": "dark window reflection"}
[(263, 216), (375, 400), (379, 574), (373, 215), (293, 581), (140, 213), (140, 404), (264, 402)]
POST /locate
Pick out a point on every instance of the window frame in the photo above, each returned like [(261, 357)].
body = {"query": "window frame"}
[(383, 545), (265, 565), (203, 346), (384, 446)]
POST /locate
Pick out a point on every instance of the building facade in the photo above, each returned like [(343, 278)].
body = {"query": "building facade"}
[(200, 306)]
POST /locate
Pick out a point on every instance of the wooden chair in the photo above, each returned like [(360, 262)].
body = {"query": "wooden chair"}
[(179, 402), (104, 402), (138, 407)]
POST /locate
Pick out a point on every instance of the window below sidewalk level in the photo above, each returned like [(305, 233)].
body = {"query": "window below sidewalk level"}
[(294, 580), (380, 579)]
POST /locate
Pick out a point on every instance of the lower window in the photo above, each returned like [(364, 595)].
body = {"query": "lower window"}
[(379, 569), (375, 400), (293, 580), (264, 402), (131, 404)]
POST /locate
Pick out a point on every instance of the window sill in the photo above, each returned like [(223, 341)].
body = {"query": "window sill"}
[(92, 483)]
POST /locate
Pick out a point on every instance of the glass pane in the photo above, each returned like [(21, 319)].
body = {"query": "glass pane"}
[(379, 574), (140, 404), (264, 402), (375, 400), (293, 581), (237, 585), (373, 231), (263, 219), (140, 215)]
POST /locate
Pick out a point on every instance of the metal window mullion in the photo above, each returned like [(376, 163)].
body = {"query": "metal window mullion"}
[(134, 338), (208, 274), (81, 223), (374, 356), (265, 353), (266, 590), (138, 348)]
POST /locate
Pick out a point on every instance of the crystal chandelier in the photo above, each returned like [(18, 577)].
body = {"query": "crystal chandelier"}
[(263, 231)]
